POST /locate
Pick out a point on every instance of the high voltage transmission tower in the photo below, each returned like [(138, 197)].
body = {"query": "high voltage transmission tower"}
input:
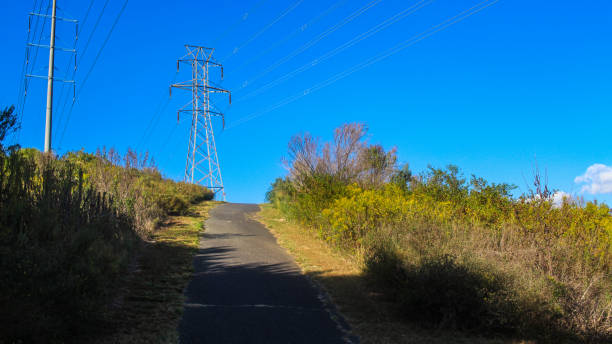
[(202, 165)]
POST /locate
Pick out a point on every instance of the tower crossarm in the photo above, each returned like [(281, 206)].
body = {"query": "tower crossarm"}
[(212, 63), (187, 85)]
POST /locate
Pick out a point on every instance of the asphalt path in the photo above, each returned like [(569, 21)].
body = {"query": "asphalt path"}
[(247, 289)]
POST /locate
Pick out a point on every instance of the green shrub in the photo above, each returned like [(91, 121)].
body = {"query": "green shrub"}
[(173, 204)]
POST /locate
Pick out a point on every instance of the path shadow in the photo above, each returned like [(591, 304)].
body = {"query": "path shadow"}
[(210, 236), (228, 302)]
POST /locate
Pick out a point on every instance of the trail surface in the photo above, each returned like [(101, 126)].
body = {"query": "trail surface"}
[(247, 289)]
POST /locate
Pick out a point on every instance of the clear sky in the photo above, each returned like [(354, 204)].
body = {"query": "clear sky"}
[(518, 82)]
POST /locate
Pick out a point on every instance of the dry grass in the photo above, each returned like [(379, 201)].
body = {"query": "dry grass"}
[(371, 317), (150, 304)]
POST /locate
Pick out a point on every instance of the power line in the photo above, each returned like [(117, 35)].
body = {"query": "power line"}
[(165, 143), (91, 34), (24, 84), (372, 31), (93, 31), (40, 36), (21, 107), (155, 118), (299, 29), (157, 110), (395, 49), (63, 107), (238, 22), (104, 43), (91, 2), (25, 58), (81, 58), (312, 42), (165, 146), (264, 29), (93, 66), (154, 122), (23, 80)]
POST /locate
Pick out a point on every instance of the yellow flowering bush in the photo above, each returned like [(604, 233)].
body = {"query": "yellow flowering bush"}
[(351, 216)]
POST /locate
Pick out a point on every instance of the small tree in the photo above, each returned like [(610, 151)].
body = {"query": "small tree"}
[(402, 177), (376, 166)]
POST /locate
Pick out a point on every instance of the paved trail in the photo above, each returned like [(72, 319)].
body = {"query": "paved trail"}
[(247, 289)]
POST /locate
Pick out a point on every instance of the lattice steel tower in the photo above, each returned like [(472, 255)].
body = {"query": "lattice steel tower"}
[(202, 161)]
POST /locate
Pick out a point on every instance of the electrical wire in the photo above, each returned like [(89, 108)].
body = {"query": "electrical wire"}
[(395, 49), (165, 143), (40, 36), (78, 34), (150, 128), (372, 31), (21, 108), (238, 22), (21, 93), (164, 147), (312, 42), (299, 29), (151, 120), (26, 63), (91, 34), (25, 58), (264, 29), (93, 65), (93, 31)]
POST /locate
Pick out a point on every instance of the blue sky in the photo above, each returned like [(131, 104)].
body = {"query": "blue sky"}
[(519, 82)]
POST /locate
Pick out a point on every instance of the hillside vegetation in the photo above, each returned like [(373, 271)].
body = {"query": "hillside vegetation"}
[(69, 227), (452, 252)]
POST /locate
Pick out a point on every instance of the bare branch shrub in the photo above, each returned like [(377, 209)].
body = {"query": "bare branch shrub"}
[(348, 159), (303, 158), (348, 143)]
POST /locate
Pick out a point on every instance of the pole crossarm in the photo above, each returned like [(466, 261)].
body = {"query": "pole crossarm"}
[(54, 79), (202, 164), (70, 20), (49, 47)]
